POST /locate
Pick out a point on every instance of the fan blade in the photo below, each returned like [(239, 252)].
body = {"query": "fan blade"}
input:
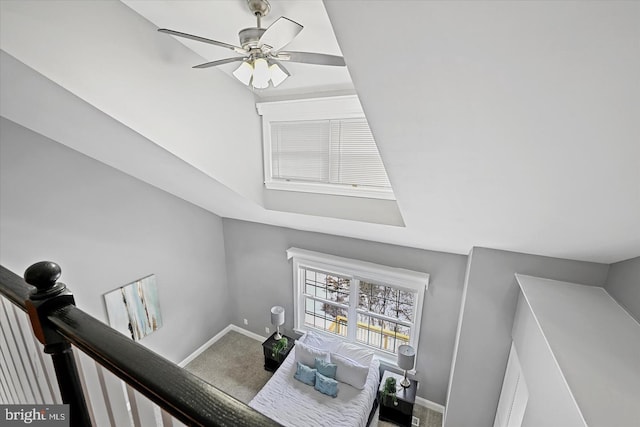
[(280, 33), (311, 58), (219, 62), (202, 39)]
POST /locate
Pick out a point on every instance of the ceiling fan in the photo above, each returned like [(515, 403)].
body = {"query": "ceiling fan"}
[(261, 49)]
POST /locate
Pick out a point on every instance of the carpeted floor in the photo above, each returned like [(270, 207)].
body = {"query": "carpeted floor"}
[(235, 364)]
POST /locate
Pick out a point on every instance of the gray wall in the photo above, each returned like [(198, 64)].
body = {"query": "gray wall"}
[(260, 276), (623, 284), (486, 319), (107, 229)]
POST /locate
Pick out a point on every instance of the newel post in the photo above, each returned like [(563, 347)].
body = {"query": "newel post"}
[(49, 296)]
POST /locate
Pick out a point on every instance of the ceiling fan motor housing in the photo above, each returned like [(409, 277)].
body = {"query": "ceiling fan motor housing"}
[(249, 37)]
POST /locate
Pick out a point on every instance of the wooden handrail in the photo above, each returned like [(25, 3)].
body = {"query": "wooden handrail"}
[(180, 393), (14, 288), (177, 391)]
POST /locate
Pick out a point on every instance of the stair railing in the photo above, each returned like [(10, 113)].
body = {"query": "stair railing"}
[(58, 324)]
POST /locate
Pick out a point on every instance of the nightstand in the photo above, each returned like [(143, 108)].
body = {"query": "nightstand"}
[(271, 362), (406, 398)]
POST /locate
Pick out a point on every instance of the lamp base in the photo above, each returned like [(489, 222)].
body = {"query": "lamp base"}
[(405, 382), (277, 336)]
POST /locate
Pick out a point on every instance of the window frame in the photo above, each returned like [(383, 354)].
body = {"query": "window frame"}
[(356, 271), (329, 108)]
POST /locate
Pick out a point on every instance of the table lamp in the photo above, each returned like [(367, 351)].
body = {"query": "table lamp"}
[(406, 359), (277, 319)]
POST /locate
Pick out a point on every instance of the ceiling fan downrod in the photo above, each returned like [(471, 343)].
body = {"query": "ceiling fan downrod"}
[(260, 8)]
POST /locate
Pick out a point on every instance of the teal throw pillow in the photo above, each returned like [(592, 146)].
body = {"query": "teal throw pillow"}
[(325, 368), (305, 374), (326, 385)]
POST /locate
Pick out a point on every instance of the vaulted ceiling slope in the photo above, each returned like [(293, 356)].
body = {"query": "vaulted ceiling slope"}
[(511, 125)]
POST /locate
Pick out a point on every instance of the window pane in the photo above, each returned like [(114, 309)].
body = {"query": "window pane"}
[(309, 282), (381, 334), (337, 289), (405, 312), (321, 277), (406, 297), (368, 295), (387, 301), (327, 286), (326, 317)]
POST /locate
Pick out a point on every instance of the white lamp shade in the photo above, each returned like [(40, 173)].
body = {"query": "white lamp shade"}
[(244, 72), (261, 74), (277, 315), (406, 357), (277, 75)]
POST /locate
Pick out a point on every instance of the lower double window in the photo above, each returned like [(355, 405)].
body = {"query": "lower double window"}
[(365, 303)]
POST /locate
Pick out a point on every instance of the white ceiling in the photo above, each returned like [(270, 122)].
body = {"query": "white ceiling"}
[(511, 125)]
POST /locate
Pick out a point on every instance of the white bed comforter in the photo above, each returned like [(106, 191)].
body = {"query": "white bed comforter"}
[(294, 404)]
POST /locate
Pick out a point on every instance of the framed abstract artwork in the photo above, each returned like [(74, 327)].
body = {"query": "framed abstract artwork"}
[(134, 309)]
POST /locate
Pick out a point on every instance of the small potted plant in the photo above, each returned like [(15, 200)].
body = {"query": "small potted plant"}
[(389, 392), (278, 347)]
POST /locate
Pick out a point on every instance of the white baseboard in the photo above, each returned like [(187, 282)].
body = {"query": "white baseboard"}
[(204, 346), (216, 337), (250, 334), (429, 404)]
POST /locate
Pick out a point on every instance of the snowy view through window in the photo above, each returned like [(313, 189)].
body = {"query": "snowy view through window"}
[(385, 314)]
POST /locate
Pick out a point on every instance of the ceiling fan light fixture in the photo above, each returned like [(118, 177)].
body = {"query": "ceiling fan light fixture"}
[(277, 75), (261, 74), (244, 73), (261, 49)]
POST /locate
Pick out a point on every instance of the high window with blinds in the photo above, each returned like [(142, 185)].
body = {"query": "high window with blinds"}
[(322, 145)]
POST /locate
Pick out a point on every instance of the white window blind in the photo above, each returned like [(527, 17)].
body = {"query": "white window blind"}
[(336, 151)]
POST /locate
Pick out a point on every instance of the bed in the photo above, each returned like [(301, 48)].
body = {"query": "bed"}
[(294, 403)]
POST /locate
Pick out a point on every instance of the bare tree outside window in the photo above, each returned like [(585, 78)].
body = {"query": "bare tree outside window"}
[(372, 305), (389, 303), (327, 302), (338, 291), (386, 300), (384, 314)]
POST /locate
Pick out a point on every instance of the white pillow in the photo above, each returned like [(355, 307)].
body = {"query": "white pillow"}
[(322, 342), (349, 371), (307, 355), (355, 352)]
